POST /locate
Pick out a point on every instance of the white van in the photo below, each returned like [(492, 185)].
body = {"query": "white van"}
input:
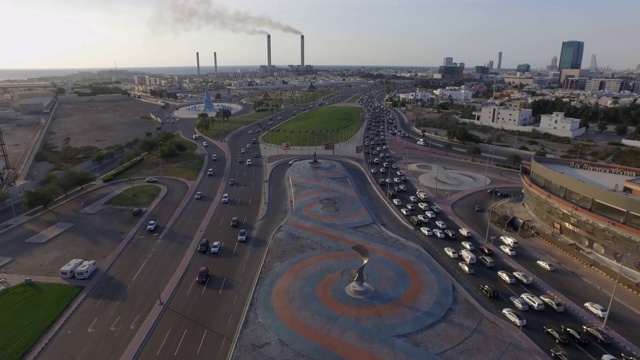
[(533, 301), (509, 241), (467, 256), (85, 269), (66, 272)]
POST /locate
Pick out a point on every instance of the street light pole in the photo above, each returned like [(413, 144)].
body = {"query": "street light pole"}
[(578, 155), (486, 236), (613, 293)]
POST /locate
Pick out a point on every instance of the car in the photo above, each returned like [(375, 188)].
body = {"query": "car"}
[(423, 206), (253, 141), (628, 357), (546, 265), (574, 334), (557, 353), (216, 247), (374, 170), (210, 172), (214, 157), (506, 277), (601, 336), (232, 182), (386, 164), (203, 245), (464, 232), (438, 233), (376, 161), (397, 180), (249, 162), (519, 303), (250, 131), (151, 180), (426, 231), (514, 317), (423, 218), (524, 278), (411, 207), (293, 161), (486, 261), (435, 209), (450, 234), (225, 198), (248, 146), (485, 250), (399, 173), (533, 301), (507, 250), (555, 304), (243, 151), (478, 208), (451, 252), (558, 336), (405, 211), (430, 214), (205, 144), (413, 199), (256, 155), (195, 136), (394, 166), (242, 235), (240, 160), (383, 170), (234, 222), (596, 309), (397, 202), (467, 245), (488, 291), (466, 267), (203, 275), (198, 195), (151, 226), (441, 224), (608, 357)]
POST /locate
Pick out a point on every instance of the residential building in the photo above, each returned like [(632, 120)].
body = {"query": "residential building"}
[(613, 85), (594, 85), (455, 93), (497, 116), (518, 79), (559, 125), (571, 55), (575, 83), (418, 95)]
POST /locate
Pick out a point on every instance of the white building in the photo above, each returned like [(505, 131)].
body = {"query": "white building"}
[(500, 116), (559, 125), (415, 96), (456, 93)]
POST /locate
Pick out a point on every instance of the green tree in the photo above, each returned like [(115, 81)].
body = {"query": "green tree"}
[(60, 91), (602, 126), (474, 151), (77, 178), (514, 159), (622, 128), (218, 96), (43, 196), (4, 196)]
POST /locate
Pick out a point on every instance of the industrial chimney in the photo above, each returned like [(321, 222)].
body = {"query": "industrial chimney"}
[(302, 52), (215, 64), (198, 61), (268, 54)]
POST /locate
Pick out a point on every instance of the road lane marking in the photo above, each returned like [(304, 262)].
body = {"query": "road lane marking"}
[(165, 339), (229, 321), (133, 324), (113, 327), (235, 299), (99, 301), (190, 287), (234, 248), (140, 269), (137, 302), (221, 286), (180, 343), (201, 341), (91, 329), (204, 287)]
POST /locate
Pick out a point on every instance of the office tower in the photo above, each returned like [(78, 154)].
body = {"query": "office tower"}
[(499, 60), (215, 63), (490, 64), (554, 62), (594, 63), (447, 61), (571, 55), (523, 68), (198, 61)]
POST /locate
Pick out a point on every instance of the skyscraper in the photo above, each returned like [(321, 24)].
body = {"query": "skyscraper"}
[(448, 61), (499, 60), (594, 63), (571, 55)]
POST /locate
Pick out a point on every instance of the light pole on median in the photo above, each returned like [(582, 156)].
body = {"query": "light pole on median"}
[(486, 170), (613, 293), (486, 236)]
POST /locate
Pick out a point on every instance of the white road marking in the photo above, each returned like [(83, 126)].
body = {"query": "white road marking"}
[(235, 299), (221, 286), (201, 341), (91, 329), (180, 343), (140, 269), (133, 323), (204, 287), (99, 301), (234, 248), (137, 302), (165, 339), (190, 287), (113, 327)]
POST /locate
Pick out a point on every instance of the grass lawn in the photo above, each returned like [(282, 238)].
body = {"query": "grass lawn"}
[(27, 311), (186, 165), (325, 124), (137, 196)]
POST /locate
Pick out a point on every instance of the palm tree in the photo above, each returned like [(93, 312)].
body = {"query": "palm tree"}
[(447, 147), (514, 159), (474, 150)]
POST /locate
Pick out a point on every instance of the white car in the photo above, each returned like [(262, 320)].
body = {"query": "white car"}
[(426, 231), (205, 144), (519, 303), (524, 278), (210, 172), (506, 277), (399, 173), (397, 202), (249, 162), (151, 226), (413, 199), (466, 267), (597, 309), (514, 317), (242, 235), (383, 170), (553, 303), (441, 224), (394, 166), (216, 247), (435, 209), (405, 211), (411, 206), (467, 245), (198, 195), (376, 161), (430, 214), (451, 252), (438, 233), (243, 151), (225, 198), (195, 136), (507, 250), (397, 180), (374, 170), (293, 161), (545, 265), (423, 206), (151, 180), (423, 219)]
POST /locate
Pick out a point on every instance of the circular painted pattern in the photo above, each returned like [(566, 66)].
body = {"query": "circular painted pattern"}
[(446, 178)]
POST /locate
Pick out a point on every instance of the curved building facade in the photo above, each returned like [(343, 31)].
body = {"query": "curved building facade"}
[(595, 205)]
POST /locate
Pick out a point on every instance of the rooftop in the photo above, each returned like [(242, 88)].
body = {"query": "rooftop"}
[(602, 180)]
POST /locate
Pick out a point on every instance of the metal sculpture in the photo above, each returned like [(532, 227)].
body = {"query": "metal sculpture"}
[(362, 251)]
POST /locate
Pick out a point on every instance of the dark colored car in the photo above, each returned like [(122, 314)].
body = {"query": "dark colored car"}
[(485, 250), (574, 334), (478, 208), (234, 222), (203, 246), (601, 336), (203, 275), (382, 182), (488, 291), (560, 337)]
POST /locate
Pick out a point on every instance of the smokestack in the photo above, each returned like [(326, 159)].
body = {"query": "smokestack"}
[(198, 61), (215, 63), (268, 54), (302, 52)]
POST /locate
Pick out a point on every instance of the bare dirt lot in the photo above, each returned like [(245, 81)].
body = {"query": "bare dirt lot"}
[(18, 134), (100, 123)]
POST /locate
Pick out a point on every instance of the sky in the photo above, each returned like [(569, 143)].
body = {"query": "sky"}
[(50, 34)]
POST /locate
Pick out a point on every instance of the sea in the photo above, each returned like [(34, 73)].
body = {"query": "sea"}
[(22, 74)]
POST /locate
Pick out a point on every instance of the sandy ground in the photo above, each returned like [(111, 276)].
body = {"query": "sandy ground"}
[(18, 134)]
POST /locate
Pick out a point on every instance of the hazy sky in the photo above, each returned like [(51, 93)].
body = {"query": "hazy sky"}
[(145, 33)]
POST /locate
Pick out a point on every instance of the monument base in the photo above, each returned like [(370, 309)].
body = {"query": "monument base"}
[(359, 291)]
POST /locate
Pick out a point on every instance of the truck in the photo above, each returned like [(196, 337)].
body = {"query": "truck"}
[(467, 256), (422, 195)]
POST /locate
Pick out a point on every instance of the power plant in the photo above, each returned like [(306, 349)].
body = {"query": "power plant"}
[(302, 52), (268, 54), (198, 61)]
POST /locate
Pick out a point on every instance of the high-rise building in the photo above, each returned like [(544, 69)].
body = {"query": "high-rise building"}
[(594, 63), (447, 61), (499, 60), (490, 65), (523, 68), (571, 55)]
